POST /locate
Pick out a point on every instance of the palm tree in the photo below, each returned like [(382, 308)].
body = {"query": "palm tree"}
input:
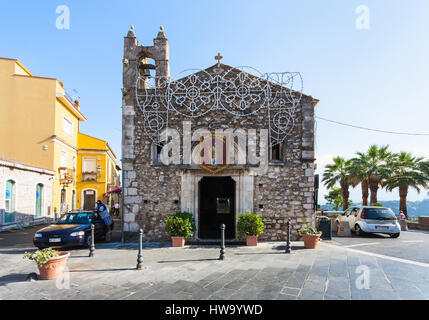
[(359, 170), (407, 172), (339, 172), (377, 168)]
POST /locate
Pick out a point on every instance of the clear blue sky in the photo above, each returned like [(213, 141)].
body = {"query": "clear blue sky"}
[(376, 78)]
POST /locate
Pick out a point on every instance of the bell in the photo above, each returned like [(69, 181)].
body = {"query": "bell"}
[(147, 73)]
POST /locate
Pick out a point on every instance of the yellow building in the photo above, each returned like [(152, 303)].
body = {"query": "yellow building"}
[(39, 127), (97, 172)]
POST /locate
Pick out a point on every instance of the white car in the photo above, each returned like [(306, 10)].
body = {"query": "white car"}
[(368, 219)]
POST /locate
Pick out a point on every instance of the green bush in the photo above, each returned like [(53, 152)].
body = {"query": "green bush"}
[(377, 204), (179, 226), (333, 214), (41, 256), (309, 230), (186, 215), (249, 224)]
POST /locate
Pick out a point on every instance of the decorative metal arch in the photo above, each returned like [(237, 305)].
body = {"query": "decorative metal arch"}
[(241, 94)]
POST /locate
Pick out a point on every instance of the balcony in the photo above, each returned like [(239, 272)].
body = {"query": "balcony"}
[(66, 175), (89, 176)]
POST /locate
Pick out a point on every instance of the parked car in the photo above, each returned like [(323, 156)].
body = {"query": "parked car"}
[(368, 219), (72, 229)]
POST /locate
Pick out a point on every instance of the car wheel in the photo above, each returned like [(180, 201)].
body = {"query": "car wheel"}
[(394, 235), (358, 230)]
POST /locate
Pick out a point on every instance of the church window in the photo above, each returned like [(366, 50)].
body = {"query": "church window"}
[(275, 153)]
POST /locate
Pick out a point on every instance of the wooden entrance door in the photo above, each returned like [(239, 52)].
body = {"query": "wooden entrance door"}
[(88, 199), (217, 206)]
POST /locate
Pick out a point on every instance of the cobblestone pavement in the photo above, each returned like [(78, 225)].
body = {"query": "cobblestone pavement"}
[(332, 271)]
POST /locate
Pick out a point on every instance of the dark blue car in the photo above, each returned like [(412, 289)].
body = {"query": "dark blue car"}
[(72, 229)]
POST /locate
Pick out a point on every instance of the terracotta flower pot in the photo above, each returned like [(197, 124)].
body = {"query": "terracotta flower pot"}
[(54, 268), (310, 240), (252, 241), (178, 241)]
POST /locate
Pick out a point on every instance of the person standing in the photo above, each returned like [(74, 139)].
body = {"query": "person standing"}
[(101, 208), (117, 206)]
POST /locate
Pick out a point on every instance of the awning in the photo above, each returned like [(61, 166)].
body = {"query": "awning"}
[(117, 190)]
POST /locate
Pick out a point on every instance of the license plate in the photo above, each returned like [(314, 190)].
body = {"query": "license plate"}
[(381, 228), (55, 240)]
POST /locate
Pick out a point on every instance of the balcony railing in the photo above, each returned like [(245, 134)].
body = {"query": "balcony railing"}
[(89, 176), (66, 175)]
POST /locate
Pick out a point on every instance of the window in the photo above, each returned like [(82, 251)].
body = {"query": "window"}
[(39, 200), (9, 201), (275, 154), (73, 199), (67, 126), (223, 205), (89, 169), (89, 165), (158, 153), (63, 196), (64, 159)]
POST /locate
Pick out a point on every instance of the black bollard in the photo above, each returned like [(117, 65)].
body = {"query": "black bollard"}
[(222, 243), (92, 247), (288, 236), (139, 256)]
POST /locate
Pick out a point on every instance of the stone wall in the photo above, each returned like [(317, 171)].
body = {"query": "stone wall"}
[(152, 191)]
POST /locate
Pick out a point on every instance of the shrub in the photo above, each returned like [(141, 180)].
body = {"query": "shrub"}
[(377, 204), (249, 224), (187, 215), (309, 230), (41, 256), (178, 227)]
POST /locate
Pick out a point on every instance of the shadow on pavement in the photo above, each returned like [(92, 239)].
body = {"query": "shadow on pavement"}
[(103, 270), (364, 236), (195, 260), (280, 250), (13, 277), (15, 251)]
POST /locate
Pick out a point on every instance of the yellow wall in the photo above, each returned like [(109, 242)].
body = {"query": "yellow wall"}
[(32, 113), (27, 108), (31, 123), (93, 148)]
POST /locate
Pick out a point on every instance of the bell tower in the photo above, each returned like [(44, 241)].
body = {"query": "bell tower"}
[(136, 60)]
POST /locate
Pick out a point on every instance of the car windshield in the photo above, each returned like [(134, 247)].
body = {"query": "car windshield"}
[(379, 213), (76, 218)]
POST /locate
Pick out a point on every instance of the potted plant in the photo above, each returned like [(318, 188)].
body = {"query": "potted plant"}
[(180, 226), (250, 226), (51, 263), (310, 236)]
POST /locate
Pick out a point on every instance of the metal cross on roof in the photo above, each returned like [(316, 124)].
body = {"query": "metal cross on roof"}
[(218, 58)]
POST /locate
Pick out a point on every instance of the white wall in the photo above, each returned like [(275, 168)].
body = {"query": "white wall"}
[(26, 179)]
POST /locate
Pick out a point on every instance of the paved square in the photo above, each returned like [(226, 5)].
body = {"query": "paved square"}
[(337, 269)]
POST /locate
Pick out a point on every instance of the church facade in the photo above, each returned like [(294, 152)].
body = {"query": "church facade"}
[(215, 142)]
